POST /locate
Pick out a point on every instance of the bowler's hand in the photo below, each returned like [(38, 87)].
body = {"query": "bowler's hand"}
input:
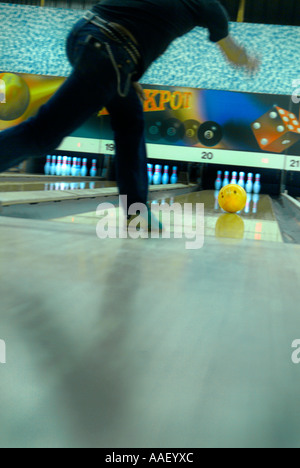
[(238, 56), (139, 91)]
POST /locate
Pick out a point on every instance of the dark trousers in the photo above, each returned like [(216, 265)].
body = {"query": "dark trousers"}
[(92, 85)]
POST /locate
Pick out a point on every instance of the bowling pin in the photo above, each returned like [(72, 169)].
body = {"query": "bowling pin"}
[(174, 177), (74, 167), (218, 182), (241, 181), (249, 183), (47, 167), (53, 166), (69, 166), (64, 167), (93, 171), (226, 179), (84, 170), (78, 167), (165, 177), (58, 166), (234, 178), (150, 173), (157, 175), (257, 184)]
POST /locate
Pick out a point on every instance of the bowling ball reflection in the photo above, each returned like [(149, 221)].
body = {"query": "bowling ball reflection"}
[(232, 198), (17, 97), (230, 226)]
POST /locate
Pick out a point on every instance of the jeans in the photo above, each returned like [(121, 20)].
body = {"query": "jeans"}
[(92, 85)]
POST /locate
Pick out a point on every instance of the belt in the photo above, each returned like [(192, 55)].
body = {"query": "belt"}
[(119, 36), (114, 33)]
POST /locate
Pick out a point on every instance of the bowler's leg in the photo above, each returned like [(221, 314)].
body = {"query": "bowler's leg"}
[(127, 120)]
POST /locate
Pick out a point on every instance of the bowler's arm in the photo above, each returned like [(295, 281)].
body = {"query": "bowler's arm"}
[(237, 55), (217, 22)]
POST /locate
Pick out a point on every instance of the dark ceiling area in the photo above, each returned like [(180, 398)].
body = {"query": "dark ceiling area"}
[(285, 12)]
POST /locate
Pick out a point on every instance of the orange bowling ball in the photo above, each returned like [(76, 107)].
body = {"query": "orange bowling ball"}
[(232, 198)]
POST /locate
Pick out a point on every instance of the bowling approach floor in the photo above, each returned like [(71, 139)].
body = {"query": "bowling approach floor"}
[(124, 343)]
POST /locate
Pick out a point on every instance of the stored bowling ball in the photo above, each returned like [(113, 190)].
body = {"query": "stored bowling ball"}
[(232, 198), (210, 134), (230, 226), (153, 129), (173, 130), (191, 131), (17, 96)]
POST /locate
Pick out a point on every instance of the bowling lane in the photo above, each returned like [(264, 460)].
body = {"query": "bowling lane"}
[(120, 343), (55, 184), (28, 188), (256, 222), (41, 189)]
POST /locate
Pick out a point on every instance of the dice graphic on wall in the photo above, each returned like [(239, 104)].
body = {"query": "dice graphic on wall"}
[(276, 130)]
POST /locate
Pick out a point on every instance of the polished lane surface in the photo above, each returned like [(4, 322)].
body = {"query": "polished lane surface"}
[(55, 185), (256, 222), (142, 343)]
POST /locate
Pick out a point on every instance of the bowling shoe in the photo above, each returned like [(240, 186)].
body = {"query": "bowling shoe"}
[(147, 221)]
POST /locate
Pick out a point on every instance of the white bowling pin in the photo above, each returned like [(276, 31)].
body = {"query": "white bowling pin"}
[(47, 168), (218, 182), (78, 167), (249, 183), (165, 177), (84, 170), (64, 167), (58, 166), (241, 181), (150, 173), (53, 166), (93, 171), (234, 178), (257, 184), (157, 175), (69, 166), (226, 179), (74, 167), (174, 177)]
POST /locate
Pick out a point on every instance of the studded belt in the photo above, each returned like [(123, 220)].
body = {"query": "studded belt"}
[(115, 34)]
